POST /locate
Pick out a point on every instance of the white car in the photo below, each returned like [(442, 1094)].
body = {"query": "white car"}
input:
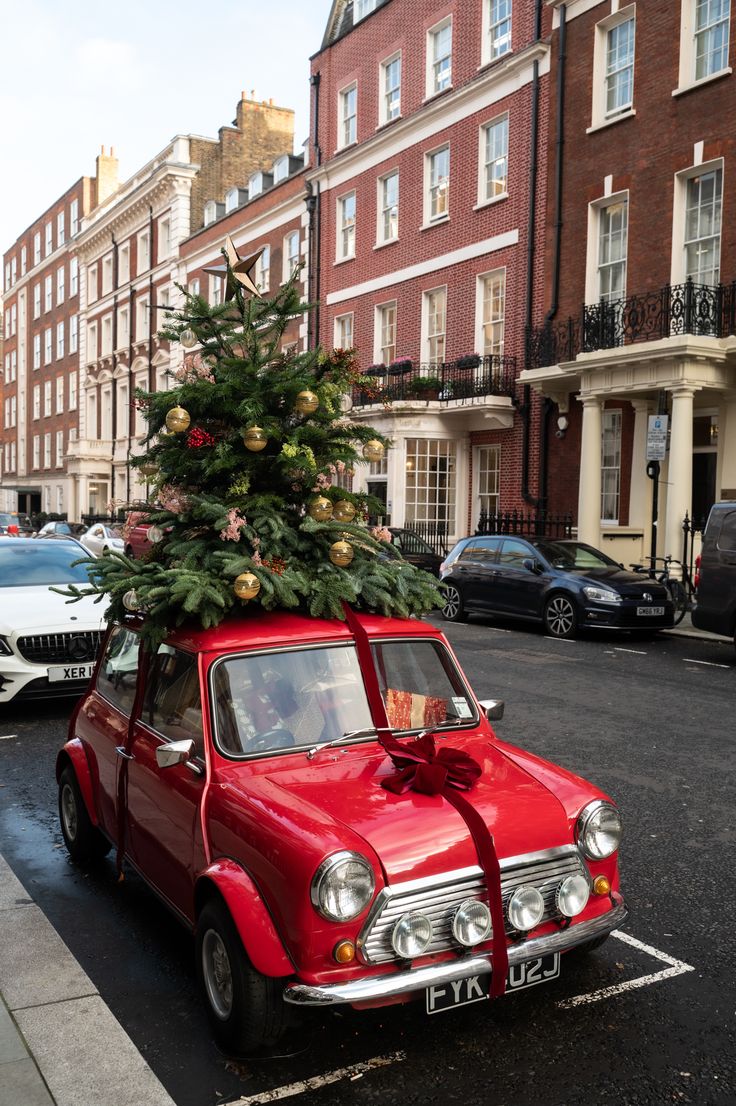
[(48, 646), (99, 538)]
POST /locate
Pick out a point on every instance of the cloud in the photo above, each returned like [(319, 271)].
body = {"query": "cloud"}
[(105, 60)]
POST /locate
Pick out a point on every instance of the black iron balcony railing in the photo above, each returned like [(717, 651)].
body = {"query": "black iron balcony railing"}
[(707, 310), (463, 380), (539, 525)]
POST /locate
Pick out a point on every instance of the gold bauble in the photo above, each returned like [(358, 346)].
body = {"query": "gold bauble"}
[(131, 601), (343, 511), (148, 468), (246, 586), (341, 553), (320, 509), (154, 534), (307, 403), (373, 450), (177, 420), (188, 338), (255, 439)]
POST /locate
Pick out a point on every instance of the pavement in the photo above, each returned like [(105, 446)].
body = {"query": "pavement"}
[(60, 1044)]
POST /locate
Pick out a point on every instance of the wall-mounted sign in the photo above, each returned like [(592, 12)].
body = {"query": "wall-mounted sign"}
[(657, 438)]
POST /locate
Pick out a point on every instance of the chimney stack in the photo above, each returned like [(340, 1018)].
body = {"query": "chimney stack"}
[(106, 174)]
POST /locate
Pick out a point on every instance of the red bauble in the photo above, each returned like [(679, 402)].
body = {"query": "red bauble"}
[(196, 438)]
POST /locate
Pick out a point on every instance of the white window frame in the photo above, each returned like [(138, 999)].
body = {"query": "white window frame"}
[(262, 274), (164, 238), (143, 252), (438, 77), (72, 391), (37, 350), (385, 322), (611, 423), (60, 284), (124, 264), (499, 127), (36, 402), (389, 97), (347, 118), (362, 8), (37, 300), (592, 257), (486, 481), (688, 49), (346, 226), (73, 217), (433, 191), (73, 333), (678, 270), (48, 340), (494, 347), (23, 260), (290, 258), (37, 247), (92, 283), (384, 220), (47, 403), (47, 450), (59, 451), (60, 395), (495, 41), (600, 116), (36, 451), (48, 239), (48, 292), (60, 340), (73, 276), (434, 341), (342, 332), (431, 481), (60, 228), (106, 267)]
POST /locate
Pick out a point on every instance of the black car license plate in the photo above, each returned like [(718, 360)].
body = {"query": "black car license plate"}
[(461, 992), (654, 612)]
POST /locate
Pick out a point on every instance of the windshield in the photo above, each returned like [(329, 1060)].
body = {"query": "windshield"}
[(5, 520), (574, 554), (420, 685), (30, 563)]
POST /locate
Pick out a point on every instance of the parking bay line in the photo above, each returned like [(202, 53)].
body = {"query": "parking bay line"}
[(676, 967), (10, 736), (710, 664), (290, 1090), (639, 652)]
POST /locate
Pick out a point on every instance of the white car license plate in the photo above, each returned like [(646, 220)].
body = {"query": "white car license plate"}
[(461, 992), (654, 612), (70, 672)]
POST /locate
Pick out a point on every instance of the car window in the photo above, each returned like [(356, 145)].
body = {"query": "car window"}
[(420, 685), (5, 520), (172, 703), (280, 700), (28, 564), (481, 549), (116, 678), (412, 543), (574, 554), (514, 553), (727, 536)]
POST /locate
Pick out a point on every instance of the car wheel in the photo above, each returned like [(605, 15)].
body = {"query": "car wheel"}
[(246, 1009), (590, 946), (560, 616), (83, 840), (454, 609)]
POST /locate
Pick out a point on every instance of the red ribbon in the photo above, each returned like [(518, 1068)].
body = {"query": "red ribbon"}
[(445, 772)]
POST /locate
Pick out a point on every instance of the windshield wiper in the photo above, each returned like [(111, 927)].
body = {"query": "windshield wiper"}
[(373, 730)]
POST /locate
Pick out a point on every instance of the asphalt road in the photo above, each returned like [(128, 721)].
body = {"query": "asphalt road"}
[(648, 1019)]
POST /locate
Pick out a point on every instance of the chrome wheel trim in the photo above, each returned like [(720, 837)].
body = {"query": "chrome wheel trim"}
[(452, 605), (69, 812), (217, 974), (560, 616)]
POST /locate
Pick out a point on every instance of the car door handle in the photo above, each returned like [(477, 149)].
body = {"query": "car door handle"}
[(120, 750)]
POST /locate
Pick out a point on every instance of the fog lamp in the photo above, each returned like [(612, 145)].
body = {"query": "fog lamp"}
[(472, 923), (411, 935), (601, 885), (344, 952), (572, 895), (526, 908)]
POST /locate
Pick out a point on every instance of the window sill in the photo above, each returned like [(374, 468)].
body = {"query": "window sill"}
[(703, 80), (610, 122), (347, 146), (388, 122), (388, 242), (487, 62), (436, 95), (342, 260), (489, 203), (435, 223)]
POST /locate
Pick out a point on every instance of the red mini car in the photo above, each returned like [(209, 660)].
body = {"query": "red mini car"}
[(242, 772)]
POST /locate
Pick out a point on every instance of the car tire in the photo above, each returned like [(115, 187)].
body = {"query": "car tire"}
[(246, 1009), (560, 616), (84, 842), (454, 608), (590, 946)]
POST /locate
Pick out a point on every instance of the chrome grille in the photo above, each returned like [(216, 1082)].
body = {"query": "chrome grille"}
[(439, 897), (68, 648)]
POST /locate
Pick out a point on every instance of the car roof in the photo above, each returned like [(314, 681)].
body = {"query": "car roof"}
[(263, 630)]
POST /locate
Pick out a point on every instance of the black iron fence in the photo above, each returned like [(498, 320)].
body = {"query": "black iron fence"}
[(436, 534), (708, 310), (517, 523), (690, 527), (461, 381)]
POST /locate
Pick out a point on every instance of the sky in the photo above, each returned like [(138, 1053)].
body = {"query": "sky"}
[(80, 74)]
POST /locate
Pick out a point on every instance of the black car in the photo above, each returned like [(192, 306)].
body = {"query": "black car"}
[(564, 584), (715, 609), (415, 550)]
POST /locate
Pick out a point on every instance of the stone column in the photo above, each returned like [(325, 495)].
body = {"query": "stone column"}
[(726, 471), (640, 487), (589, 496), (680, 475)]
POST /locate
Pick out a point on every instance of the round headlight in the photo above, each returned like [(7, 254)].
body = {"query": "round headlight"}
[(599, 830), (472, 923), (343, 886), (526, 908), (411, 935), (572, 895)]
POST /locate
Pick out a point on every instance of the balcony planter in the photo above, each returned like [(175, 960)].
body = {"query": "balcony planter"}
[(375, 370), (398, 368), (470, 361), (425, 387)]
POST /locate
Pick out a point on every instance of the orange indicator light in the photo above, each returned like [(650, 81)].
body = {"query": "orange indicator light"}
[(601, 885), (344, 952)]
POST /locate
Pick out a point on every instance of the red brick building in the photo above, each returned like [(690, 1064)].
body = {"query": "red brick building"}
[(640, 264), (428, 173)]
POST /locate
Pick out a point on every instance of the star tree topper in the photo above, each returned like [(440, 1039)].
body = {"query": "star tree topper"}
[(237, 271)]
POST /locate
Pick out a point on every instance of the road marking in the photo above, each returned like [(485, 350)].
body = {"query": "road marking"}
[(711, 664), (676, 967), (290, 1090), (10, 736), (639, 652)]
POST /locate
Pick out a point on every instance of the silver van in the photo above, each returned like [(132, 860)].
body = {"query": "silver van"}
[(716, 606)]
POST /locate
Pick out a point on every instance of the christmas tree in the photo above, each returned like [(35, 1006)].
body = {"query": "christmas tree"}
[(248, 463)]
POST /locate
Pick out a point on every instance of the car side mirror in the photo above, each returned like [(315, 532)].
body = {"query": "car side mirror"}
[(493, 708), (531, 565), (177, 752)]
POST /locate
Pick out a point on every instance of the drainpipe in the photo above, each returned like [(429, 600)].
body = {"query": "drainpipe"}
[(558, 167), (525, 409), (114, 426), (150, 299), (315, 224), (131, 306), (314, 80)]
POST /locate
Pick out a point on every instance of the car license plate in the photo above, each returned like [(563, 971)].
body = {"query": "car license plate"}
[(71, 672), (654, 612), (461, 992)]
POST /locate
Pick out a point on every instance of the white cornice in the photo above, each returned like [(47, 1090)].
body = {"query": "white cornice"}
[(573, 9), (270, 219), (492, 84)]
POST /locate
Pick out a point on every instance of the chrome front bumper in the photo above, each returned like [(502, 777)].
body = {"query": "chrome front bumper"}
[(401, 983)]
